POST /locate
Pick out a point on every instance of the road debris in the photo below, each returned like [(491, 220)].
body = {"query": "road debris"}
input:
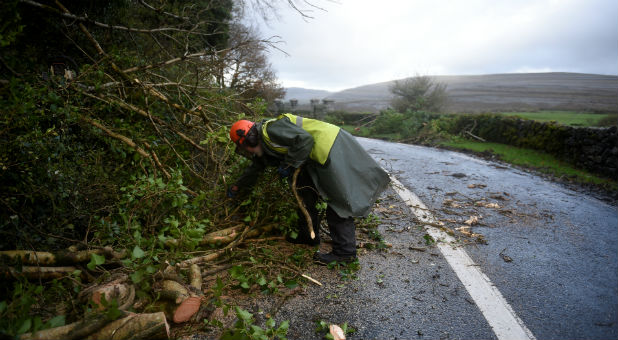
[(476, 185), (505, 257), (487, 205), (336, 332), (473, 220), (451, 203)]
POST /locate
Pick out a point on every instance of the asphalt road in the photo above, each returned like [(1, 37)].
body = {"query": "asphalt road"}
[(549, 251)]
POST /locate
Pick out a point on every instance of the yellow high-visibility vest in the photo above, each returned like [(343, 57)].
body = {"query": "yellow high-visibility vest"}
[(324, 135)]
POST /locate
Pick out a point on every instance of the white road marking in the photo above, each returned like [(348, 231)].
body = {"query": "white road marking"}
[(498, 313)]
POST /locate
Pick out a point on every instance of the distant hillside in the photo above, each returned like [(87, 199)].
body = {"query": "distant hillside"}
[(304, 95), (502, 92)]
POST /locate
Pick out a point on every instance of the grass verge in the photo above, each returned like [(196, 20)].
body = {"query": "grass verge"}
[(571, 118), (534, 159)]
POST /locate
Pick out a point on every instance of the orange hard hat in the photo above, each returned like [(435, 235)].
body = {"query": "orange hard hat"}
[(239, 131)]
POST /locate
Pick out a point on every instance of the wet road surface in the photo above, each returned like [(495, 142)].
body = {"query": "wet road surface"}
[(551, 252)]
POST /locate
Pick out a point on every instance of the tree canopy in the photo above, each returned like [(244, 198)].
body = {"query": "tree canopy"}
[(419, 93)]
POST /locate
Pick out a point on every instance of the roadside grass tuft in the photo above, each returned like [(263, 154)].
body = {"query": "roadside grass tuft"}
[(537, 160)]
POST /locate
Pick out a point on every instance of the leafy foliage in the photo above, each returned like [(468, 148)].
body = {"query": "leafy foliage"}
[(407, 125), (113, 132), (245, 328)]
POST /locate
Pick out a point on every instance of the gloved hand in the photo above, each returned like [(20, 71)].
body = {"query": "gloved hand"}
[(285, 171), (232, 191)]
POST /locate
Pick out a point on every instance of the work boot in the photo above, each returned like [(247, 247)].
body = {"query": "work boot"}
[(328, 258), (301, 239)]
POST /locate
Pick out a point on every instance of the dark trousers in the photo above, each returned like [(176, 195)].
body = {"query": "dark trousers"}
[(342, 229)]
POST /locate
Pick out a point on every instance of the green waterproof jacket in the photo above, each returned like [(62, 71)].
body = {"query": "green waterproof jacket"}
[(349, 179)]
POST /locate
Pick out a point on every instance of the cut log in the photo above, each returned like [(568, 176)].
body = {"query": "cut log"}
[(174, 291), (124, 293), (135, 326), (43, 258), (187, 309), (75, 330), (195, 277)]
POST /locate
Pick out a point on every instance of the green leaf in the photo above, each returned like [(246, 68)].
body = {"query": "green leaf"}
[(138, 253), (137, 276), (285, 325), (257, 330), (2, 306), (270, 323), (95, 260), (291, 284), (262, 281), (243, 314)]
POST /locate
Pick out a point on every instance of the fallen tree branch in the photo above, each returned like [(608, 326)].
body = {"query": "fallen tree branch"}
[(162, 12), (128, 141), (223, 236), (474, 136), (43, 258), (43, 273)]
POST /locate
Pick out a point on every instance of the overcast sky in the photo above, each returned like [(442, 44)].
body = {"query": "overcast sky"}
[(360, 42)]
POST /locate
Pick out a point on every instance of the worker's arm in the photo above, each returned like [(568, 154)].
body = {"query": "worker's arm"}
[(250, 175), (298, 141)]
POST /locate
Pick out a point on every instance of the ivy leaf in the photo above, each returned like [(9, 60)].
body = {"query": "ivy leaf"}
[(138, 253), (137, 276), (243, 314), (95, 260)]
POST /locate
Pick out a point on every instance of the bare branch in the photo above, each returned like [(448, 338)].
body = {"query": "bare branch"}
[(158, 10), (66, 14), (128, 141)]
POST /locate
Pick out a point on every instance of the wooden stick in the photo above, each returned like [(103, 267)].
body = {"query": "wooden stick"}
[(301, 205), (311, 279)]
